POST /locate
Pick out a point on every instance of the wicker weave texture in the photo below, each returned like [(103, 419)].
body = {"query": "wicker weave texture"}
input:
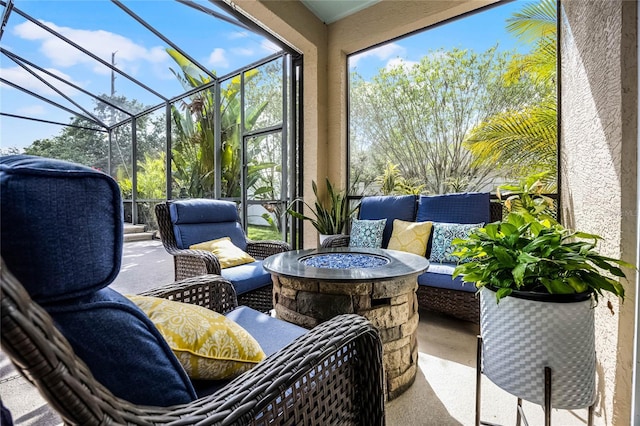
[(330, 376), (460, 304), (336, 241), (210, 291), (521, 337)]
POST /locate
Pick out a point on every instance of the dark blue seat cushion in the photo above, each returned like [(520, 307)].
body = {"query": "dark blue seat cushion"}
[(247, 277), (198, 220), (388, 207), (439, 275), (61, 226), (123, 349), (467, 207), (271, 333)]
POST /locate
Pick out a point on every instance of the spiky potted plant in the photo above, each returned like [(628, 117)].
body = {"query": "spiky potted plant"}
[(330, 215), (538, 283)]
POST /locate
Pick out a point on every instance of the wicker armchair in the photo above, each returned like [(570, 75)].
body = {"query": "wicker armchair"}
[(191, 263), (331, 375)]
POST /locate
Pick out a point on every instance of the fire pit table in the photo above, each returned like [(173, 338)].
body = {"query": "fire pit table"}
[(312, 286)]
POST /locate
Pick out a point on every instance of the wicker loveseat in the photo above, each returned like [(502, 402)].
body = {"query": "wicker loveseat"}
[(98, 359), (436, 290)]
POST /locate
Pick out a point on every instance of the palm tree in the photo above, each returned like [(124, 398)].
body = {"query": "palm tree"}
[(193, 155), (524, 141)]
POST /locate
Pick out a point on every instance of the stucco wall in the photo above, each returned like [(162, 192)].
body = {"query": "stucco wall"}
[(598, 169)]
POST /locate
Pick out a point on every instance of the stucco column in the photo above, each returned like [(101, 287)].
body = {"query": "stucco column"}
[(598, 163)]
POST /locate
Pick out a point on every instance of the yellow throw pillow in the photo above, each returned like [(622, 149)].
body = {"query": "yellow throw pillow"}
[(207, 344), (411, 237), (227, 253)]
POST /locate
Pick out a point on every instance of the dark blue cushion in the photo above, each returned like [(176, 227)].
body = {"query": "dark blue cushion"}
[(271, 333), (247, 277), (61, 226), (198, 220), (468, 207), (439, 275), (123, 349), (388, 207)]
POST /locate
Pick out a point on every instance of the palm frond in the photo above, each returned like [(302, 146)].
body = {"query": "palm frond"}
[(525, 139), (534, 21)]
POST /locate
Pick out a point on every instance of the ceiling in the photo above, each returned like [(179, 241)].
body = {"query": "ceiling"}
[(333, 10)]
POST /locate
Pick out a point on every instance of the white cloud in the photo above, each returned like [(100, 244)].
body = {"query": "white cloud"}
[(129, 55), (381, 53), (270, 47), (218, 58), (400, 63), (242, 51), (23, 78), (32, 110)]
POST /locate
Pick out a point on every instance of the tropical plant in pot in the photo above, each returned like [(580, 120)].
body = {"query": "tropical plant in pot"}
[(329, 215), (539, 283)]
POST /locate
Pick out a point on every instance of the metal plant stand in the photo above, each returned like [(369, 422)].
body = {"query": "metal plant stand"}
[(520, 417)]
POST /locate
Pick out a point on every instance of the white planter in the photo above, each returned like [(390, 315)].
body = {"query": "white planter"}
[(521, 337), (322, 237)]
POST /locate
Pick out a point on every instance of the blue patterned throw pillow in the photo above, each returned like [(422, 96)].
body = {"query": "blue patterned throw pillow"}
[(367, 233), (443, 234)]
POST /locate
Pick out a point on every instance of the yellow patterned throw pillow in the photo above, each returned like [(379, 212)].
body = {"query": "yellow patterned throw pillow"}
[(227, 253), (411, 237), (207, 344)]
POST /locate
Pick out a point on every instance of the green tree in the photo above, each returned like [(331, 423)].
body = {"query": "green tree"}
[(91, 147), (87, 147), (522, 141), (418, 116)]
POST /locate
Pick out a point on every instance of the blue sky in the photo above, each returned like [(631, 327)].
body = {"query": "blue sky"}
[(101, 27), (479, 31)]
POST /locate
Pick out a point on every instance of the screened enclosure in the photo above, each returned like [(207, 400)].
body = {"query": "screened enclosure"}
[(175, 99)]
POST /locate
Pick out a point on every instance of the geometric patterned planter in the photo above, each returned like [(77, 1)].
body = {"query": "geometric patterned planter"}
[(521, 337)]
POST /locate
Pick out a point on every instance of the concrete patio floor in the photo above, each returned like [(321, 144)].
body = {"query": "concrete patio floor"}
[(443, 393)]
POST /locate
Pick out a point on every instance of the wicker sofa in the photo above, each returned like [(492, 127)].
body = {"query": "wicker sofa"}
[(436, 290)]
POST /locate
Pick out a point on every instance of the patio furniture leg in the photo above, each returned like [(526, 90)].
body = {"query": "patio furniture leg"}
[(478, 378), (519, 413), (547, 396)]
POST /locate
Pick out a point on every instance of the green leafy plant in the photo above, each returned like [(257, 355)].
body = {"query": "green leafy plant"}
[(536, 255), (530, 251), (392, 182), (527, 197), (330, 216)]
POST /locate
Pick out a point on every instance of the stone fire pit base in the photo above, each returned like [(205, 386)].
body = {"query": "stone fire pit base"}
[(391, 305)]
